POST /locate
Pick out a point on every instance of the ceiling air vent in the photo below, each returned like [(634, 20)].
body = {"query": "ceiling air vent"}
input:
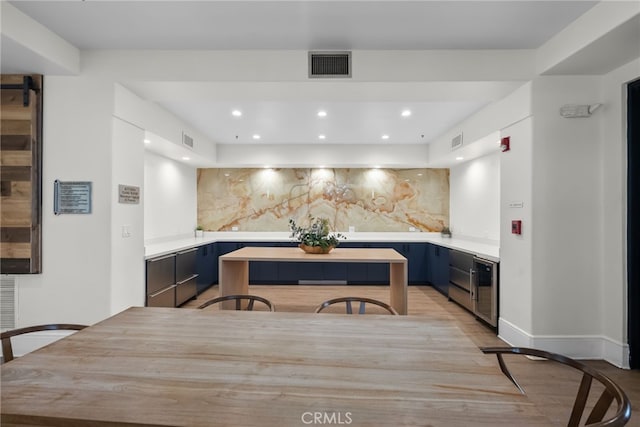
[(456, 142), (187, 140), (329, 64)]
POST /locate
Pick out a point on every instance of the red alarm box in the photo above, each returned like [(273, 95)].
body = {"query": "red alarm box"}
[(516, 226), (505, 144)]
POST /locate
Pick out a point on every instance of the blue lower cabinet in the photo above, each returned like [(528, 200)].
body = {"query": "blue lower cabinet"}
[(416, 254), (438, 261), (206, 267), (354, 273), (357, 273)]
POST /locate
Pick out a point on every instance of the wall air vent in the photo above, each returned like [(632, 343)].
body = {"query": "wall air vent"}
[(7, 302), (329, 64), (456, 142), (187, 140)]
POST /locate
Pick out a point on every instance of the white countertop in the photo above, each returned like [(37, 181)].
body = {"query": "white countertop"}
[(487, 250)]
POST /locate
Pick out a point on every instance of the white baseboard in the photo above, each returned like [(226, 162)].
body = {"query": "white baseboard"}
[(574, 346)]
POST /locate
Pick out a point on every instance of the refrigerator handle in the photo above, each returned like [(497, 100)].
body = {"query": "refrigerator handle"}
[(472, 283)]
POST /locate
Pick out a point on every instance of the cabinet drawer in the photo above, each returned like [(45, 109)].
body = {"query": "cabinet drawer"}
[(163, 298), (461, 260), (186, 290), (186, 264), (460, 278), (160, 273), (461, 296)]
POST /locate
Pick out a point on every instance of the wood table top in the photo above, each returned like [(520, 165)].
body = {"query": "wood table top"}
[(250, 253), (183, 367)]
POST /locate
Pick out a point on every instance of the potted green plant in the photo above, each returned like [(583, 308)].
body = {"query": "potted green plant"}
[(316, 238), (199, 231), (445, 232)]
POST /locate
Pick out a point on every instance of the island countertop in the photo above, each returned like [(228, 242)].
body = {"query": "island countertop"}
[(485, 249)]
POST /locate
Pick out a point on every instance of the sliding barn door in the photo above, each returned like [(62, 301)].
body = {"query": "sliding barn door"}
[(21, 165)]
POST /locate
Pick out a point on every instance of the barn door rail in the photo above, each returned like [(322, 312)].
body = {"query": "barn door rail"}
[(26, 86)]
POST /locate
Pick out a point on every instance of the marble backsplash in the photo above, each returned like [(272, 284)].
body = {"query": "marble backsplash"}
[(366, 199)]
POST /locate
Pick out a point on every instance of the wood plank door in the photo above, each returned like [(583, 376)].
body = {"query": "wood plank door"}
[(21, 176)]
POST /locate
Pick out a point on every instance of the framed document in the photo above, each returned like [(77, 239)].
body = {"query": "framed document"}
[(72, 197)]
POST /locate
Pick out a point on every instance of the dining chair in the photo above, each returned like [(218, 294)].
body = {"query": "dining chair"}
[(610, 392), (363, 302), (240, 299), (5, 337)]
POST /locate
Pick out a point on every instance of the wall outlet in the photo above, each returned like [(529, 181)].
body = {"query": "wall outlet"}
[(352, 229), (234, 228), (126, 231), (412, 229)]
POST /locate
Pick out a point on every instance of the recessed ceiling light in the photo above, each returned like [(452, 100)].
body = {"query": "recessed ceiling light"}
[(256, 136), (406, 113), (419, 174), (321, 136), (322, 113), (459, 158), (236, 113), (147, 141), (385, 136), (185, 158)]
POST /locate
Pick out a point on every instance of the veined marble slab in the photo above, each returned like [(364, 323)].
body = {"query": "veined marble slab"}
[(370, 200)]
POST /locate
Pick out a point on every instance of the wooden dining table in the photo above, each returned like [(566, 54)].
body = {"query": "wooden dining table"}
[(183, 367)]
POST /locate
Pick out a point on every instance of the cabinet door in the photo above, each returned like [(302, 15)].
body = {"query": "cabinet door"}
[(206, 267), (441, 269), (416, 263), (378, 272), (262, 272), (431, 263)]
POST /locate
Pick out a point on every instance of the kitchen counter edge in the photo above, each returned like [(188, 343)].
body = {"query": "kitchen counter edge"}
[(489, 251)]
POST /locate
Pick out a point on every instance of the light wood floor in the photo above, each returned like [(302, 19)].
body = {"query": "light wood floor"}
[(550, 386)]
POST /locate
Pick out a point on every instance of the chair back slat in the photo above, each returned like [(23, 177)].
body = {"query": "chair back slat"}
[(581, 401), (600, 409), (362, 307), (239, 300)]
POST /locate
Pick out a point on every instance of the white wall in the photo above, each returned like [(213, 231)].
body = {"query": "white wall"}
[(613, 292), (74, 286), (127, 253), (474, 198), (476, 129), (170, 200), (515, 323), (567, 196)]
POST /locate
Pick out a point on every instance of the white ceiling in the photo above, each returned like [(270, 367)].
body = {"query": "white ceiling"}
[(376, 25), (307, 25)]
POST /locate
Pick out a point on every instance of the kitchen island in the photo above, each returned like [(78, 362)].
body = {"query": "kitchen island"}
[(234, 267)]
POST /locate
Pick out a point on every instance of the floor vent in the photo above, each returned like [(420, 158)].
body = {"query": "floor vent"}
[(7, 303), (329, 64)]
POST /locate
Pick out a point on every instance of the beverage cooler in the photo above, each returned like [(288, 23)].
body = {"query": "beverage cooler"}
[(473, 283)]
